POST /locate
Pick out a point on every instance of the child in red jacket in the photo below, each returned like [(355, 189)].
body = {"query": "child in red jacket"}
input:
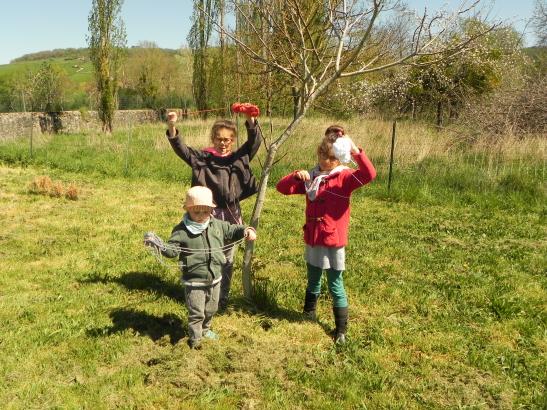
[(328, 188)]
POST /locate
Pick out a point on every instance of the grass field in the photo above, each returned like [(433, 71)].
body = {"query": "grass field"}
[(445, 276)]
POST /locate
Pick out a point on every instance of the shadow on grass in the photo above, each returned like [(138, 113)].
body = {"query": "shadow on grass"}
[(254, 307), (263, 304), (143, 324), (141, 281)]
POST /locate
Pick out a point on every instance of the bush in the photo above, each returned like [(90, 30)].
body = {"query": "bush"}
[(517, 112)]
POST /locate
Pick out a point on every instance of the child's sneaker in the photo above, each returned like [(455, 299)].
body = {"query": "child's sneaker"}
[(194, 344), (210, 335), (340, 339)]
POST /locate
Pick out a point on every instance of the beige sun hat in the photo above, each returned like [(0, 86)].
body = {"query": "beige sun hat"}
[(199, 196)]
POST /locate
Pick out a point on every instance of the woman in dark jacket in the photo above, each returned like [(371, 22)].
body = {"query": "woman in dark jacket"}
[(225, 172)]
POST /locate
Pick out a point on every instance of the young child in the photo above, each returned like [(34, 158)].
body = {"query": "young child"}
[(328, 188), (198, 240), (226, 172)]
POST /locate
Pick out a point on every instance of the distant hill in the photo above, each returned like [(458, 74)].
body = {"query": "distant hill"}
[(65, 53), (76, 64)]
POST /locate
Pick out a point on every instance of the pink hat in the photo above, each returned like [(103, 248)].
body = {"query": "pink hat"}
[(199, 196)]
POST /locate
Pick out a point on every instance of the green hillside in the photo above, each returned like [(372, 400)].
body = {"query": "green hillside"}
[(77, 65), (78, 69)]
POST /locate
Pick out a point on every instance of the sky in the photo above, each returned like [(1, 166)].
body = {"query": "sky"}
[(36, 25)]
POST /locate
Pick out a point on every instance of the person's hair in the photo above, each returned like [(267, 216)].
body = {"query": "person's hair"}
[(335, 129), (219, 124), (332, 133), (325, 150)]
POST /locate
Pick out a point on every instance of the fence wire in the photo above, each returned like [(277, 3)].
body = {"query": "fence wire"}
[(144, 150)]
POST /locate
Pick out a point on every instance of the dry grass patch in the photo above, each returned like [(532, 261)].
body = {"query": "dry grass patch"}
[(44, 185)]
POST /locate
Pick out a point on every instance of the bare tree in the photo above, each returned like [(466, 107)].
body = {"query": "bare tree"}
[(313, 44)]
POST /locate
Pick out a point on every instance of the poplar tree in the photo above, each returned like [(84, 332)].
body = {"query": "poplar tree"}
[(107, 41)]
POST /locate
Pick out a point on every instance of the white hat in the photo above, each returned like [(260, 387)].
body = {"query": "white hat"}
[(199, 195)]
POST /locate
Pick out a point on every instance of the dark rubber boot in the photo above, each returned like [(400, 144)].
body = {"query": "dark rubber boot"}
[(310, 304), (341, 322)]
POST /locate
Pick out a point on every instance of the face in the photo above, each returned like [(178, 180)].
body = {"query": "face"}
[(328, 163), (223, 141), (199, 213)]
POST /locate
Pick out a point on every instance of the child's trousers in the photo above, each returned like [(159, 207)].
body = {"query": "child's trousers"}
[(334, 280), (202, 304)]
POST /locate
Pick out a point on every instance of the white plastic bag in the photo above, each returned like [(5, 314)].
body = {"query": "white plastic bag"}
[(342, 150)]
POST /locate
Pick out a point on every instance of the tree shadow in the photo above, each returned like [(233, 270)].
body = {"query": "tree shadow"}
[(144, 324), (141, 281), (254, 307)]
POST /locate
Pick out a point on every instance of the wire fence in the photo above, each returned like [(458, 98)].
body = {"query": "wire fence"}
[(143, 150)]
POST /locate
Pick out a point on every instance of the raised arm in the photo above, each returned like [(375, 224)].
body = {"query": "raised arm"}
[(254, 138), (364, 174), (181, 149)]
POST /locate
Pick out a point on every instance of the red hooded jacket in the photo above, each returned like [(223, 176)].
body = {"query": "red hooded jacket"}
[(327, 216)]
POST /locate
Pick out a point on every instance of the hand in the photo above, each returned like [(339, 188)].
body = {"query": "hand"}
[(149, 243), (354, 148), (250, 234), (171, 118), (250, 118), (302, 175), (152, 241)]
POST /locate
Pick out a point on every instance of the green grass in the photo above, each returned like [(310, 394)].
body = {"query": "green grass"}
[(445, 277), (462, 176)]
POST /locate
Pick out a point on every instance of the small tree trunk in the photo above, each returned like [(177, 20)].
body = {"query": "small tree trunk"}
[(269, 162), (255, 219), (296, 102)]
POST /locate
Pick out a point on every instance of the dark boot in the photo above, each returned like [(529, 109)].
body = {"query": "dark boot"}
[(341, 322), (310, 304)]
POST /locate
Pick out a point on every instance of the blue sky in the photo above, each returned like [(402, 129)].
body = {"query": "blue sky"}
[(36, 25)]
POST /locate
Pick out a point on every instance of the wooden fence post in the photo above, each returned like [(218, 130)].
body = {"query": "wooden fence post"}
[(391, 156)]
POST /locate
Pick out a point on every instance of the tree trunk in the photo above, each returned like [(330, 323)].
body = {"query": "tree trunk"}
[(269, 162), (296, 102), (247, 278)]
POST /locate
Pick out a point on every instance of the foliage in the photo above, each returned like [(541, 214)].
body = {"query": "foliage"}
[(448, 85), (50, 86), (516, 111), (152, 78), (106, 41), (205, 12), (43, 89)]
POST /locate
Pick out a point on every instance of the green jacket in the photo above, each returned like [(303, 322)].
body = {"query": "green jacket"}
[(203, 266)]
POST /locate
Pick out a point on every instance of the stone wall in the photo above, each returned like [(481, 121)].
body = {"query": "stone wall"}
[(21, 124)]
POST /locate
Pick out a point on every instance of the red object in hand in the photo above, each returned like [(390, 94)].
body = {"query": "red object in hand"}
[(246, 108)]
